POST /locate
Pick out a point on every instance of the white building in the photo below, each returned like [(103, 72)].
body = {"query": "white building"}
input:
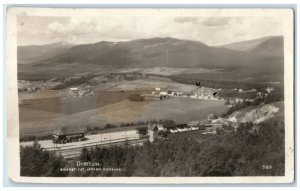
[(163, 93), (195, 128), (269, 89), (173, 130), (160, 127), (73, 89)]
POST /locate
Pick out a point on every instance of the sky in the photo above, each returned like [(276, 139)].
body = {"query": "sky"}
[(124, 26)]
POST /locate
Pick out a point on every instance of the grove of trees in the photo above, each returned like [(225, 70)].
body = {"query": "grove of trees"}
[(230, 154), (35, 161), (242, 153)]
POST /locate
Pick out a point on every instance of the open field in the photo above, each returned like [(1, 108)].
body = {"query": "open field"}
[(151, 83), (52, 100), (45, 113), (113, 113), (74, 105), (44, 71), (182, 110), (40, 94), (178, 109), (27, 115)]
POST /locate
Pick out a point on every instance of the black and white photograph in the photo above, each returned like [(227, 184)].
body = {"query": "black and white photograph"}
[(197, 94)]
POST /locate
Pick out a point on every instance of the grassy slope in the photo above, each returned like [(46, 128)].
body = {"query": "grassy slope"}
[(74, 105), (180, 110)]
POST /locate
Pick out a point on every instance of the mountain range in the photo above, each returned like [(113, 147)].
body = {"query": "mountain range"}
[(263, 56), (36, 53)]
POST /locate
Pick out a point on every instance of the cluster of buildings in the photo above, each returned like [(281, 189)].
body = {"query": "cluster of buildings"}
[(205, 93), (33, 86), (257, 94), (76, 92), (198, 93), (26, 86), (185, 128), (160, 94), (209, 126)]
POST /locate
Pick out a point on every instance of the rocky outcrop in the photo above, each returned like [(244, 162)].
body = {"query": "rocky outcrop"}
[(258, 114)]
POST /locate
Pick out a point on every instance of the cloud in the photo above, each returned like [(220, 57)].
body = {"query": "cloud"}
[(216, 22), (82, 29), (57, 27), (186, 19), (206, 22)]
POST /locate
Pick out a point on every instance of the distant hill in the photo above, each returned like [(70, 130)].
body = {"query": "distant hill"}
[(263, 58), (145, 53), (36, 53), (272, 47), (268, 46), (161, 52), (247, 45)]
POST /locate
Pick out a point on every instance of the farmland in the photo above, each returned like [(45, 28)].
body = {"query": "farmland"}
[(178, 109), (42, 112), (74, 105), (152, 82)]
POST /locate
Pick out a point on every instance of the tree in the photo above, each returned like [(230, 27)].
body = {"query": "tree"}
[(85, 155), (241, 153), (227, 102), (35, 161), (274, 96)]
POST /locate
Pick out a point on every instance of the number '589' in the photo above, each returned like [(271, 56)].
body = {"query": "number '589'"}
[(266, 167)]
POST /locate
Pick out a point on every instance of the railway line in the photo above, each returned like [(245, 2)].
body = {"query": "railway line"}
[(75, 151)]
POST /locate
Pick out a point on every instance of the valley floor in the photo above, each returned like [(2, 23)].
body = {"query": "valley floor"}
[(43, 114)]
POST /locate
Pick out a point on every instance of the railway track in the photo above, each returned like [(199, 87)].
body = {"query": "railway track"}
[(74, 152)]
